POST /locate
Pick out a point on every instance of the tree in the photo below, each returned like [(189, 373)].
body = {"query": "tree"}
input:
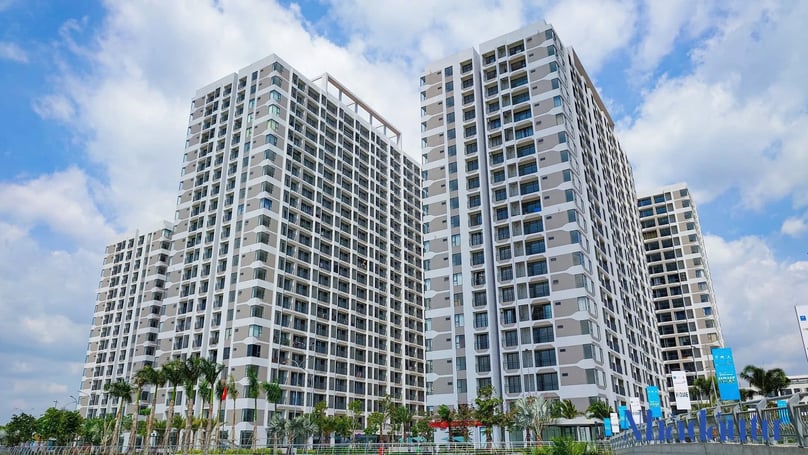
[(172, 372), (767, 382), (140, 380), (221, 392), (356, 407), (98, 430), (563, 409), (421, 428), (531, 413), (274, 393), (464, 415), (59, 424), (233, 391), (374, 423), (400, 416), (275, 428), (599, 410), (210, 371), (156, 378), (20, 429), (254, 391), (324, 423), (191, 370), (121, 390), (385, 409), (705, 387), (446, 415), (487, 411), (343, 425)]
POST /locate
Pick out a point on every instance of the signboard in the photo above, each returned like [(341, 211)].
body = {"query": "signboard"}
[(607, 426), (725, 374), (802, 321), (782, 411), (615, 422), (621, 413), (636, 408), (681, 391), (654, 404)]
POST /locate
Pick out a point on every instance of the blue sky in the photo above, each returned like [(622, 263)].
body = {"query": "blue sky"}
[(96, 96)]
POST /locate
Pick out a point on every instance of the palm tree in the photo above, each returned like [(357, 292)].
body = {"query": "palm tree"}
[(156, 378), (191, 371), (531, 413), (564, 409), (446, 414), (140, 379), (402, 416), (173, 375), (210, 371), (385, 409), (221, 392), (599, 410), (121, 390), (253, 391), (233, 391), (276, 427), (273, 393), (767, 382), (705, 387)]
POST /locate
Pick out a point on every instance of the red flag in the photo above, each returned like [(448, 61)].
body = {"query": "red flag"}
[(224, 393)]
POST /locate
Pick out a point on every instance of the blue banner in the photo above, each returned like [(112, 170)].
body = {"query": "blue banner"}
[(621, 412), (725, 374), (607, 426), (782, 411), (654, 404)]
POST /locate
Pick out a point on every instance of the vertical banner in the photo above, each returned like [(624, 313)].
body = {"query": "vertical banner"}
[(653, 401), (621, 413), (681, 391), (635, 408), (615, 422), (782, 412), (607, 427), (725, 374)]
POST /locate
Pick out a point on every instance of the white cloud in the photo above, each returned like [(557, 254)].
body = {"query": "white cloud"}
[(57, 107), (596, 29), (737, 122), (46, 303), (756, 295), (12, 51), (61, 201), (794, 226)]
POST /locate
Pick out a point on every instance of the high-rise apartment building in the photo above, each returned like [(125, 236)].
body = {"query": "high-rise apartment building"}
[(686, 309), (535, 281), (296, 249), (126, 318)]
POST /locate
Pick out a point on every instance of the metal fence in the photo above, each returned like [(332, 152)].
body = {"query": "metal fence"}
[(312, 449), (770, 421)]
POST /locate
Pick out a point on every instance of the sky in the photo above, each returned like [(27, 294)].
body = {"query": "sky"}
[(96, 95)]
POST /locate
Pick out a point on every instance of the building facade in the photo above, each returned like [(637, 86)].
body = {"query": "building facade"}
[(126, 317), (684, 300), (296, 249), (535, 280)]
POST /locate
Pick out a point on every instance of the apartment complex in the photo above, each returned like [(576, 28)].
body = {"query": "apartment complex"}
[(296, 248), (686, 309), (535, 280), (127, 313)]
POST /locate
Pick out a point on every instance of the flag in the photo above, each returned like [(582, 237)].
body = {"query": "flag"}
[(224, 393)]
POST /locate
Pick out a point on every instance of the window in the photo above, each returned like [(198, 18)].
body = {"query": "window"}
[(533, 226), (531, 206), (449, 86), (528, 168), (546, 381), (253, 350), (255, 331), (523, 132), (545, 357), (461, 386), (474, 201), (460, 363), (476, 238), (483, 363), (457, 279), (534, 247), (458, 320), (499, 176), (455, 239), (511, 338), (472, 165), (543, 334), (477, 258), (514, 384), (247, 414), (452, 167), (525, 150), (480, 320), (473, 183), (500, 194), (481, 341), (454, 202), (455, 221), (453, 185), (502, 213)]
